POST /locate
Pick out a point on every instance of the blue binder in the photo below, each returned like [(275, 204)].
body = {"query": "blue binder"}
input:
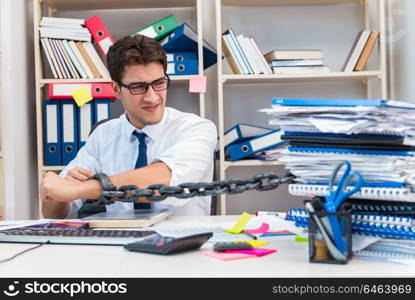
[(69, 131), (101, 109), (184, 39), (52, 133), (85, 122), (182, 63), (241, 131), (255, 145)]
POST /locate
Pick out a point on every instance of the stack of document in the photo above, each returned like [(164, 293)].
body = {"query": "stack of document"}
[(376, 136)]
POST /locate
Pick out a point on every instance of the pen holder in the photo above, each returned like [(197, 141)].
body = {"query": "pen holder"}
[(321, 250)]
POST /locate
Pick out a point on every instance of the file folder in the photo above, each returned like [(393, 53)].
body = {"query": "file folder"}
[(242, 131), (52, 133), (64, 90), (85, 122), (69, 131), (255, 145), (99, 33), (184, 39), (101, 109), (182, 63), (158, 29)]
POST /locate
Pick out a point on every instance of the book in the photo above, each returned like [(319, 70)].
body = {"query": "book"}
[(265, 66), (367, 50), (137, 218), (356, 50), (300, 70), (87, 58), (99, 64), (293, 54), (230, 56), (249, 54), (49, 57), (297, 63)]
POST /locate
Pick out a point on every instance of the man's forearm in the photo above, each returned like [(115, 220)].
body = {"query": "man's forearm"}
[(55, 210)]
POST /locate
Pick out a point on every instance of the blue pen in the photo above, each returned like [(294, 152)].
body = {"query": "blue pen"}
[(337, 196)]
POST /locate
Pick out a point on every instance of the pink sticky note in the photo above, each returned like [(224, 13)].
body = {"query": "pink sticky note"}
[(197, 84), (263, 228), (227, 256), (253, 251)]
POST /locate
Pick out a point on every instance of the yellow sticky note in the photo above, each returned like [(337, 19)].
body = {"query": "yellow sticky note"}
[(254, 243), (240, 224), (82, 96), (300, 239)]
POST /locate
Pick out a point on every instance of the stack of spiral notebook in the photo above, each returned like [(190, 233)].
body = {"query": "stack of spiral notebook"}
[(376, 136)]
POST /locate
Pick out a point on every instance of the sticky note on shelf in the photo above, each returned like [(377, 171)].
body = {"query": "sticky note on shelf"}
[(82, 96), (240, 224), (197, 84)]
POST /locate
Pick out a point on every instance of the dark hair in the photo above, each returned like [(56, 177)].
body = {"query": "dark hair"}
[(134, 50)]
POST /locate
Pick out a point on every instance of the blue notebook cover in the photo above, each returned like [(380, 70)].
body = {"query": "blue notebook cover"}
[(327, 102)]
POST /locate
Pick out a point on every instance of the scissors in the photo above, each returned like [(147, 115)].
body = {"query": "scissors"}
[(338, 195)]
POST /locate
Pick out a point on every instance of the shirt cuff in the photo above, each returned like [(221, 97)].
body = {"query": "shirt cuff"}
[(174, 181)]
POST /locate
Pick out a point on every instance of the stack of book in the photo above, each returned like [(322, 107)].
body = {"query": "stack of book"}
[(243, 54), (67, 126), (360, 51), (296, 61), (68, 49), (181, 45), (244, 141)]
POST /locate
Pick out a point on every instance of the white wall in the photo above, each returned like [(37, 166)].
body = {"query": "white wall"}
[(18, 109), (332, 28), (401, 38)]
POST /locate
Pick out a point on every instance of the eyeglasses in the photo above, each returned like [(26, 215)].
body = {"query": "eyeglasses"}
[(139, 88)]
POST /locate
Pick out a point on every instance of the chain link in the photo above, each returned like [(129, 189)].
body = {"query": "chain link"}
[(159, 192)]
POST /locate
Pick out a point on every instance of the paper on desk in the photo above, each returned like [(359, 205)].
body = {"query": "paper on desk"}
[(360, 242)]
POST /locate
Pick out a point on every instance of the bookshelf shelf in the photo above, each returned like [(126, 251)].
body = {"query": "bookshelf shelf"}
[(284, 2), (273, 78), (52, 168), (49, 80), (120, 4), (228, 83)]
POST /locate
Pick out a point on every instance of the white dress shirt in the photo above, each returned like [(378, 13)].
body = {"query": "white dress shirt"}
[(183, 141)]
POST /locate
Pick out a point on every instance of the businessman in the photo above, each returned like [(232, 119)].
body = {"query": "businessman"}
[(149, 144)]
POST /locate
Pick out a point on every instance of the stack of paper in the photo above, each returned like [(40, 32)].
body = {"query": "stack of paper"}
[(376, 136)]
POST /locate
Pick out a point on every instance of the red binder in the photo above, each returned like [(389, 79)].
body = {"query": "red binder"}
[(64, 90), (99, 33)]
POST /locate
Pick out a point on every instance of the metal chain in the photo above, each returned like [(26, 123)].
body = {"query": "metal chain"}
[(159, 192)]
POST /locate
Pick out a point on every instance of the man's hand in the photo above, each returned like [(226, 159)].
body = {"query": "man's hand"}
[(56, 188), (78, 174)]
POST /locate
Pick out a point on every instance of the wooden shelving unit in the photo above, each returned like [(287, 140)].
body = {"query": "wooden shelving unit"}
[(53, 7), (253, 81)]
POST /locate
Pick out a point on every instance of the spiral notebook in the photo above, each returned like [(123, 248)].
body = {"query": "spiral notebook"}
[(389, 251), (386, 226), (376, 193)]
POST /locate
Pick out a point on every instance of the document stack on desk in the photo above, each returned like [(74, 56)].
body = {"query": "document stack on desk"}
[(377, 138)]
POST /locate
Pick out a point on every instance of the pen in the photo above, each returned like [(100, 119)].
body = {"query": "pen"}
[(250, 235), (271, 213)]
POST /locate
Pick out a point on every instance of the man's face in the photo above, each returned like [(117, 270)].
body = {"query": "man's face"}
[(147, 108)]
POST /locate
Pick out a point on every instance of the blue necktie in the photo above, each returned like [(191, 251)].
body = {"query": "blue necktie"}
[(141, 162)]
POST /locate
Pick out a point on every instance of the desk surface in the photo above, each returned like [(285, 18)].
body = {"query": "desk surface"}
[(291, 260)]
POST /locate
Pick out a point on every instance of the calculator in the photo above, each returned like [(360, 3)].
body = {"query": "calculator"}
[(159, 244)]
